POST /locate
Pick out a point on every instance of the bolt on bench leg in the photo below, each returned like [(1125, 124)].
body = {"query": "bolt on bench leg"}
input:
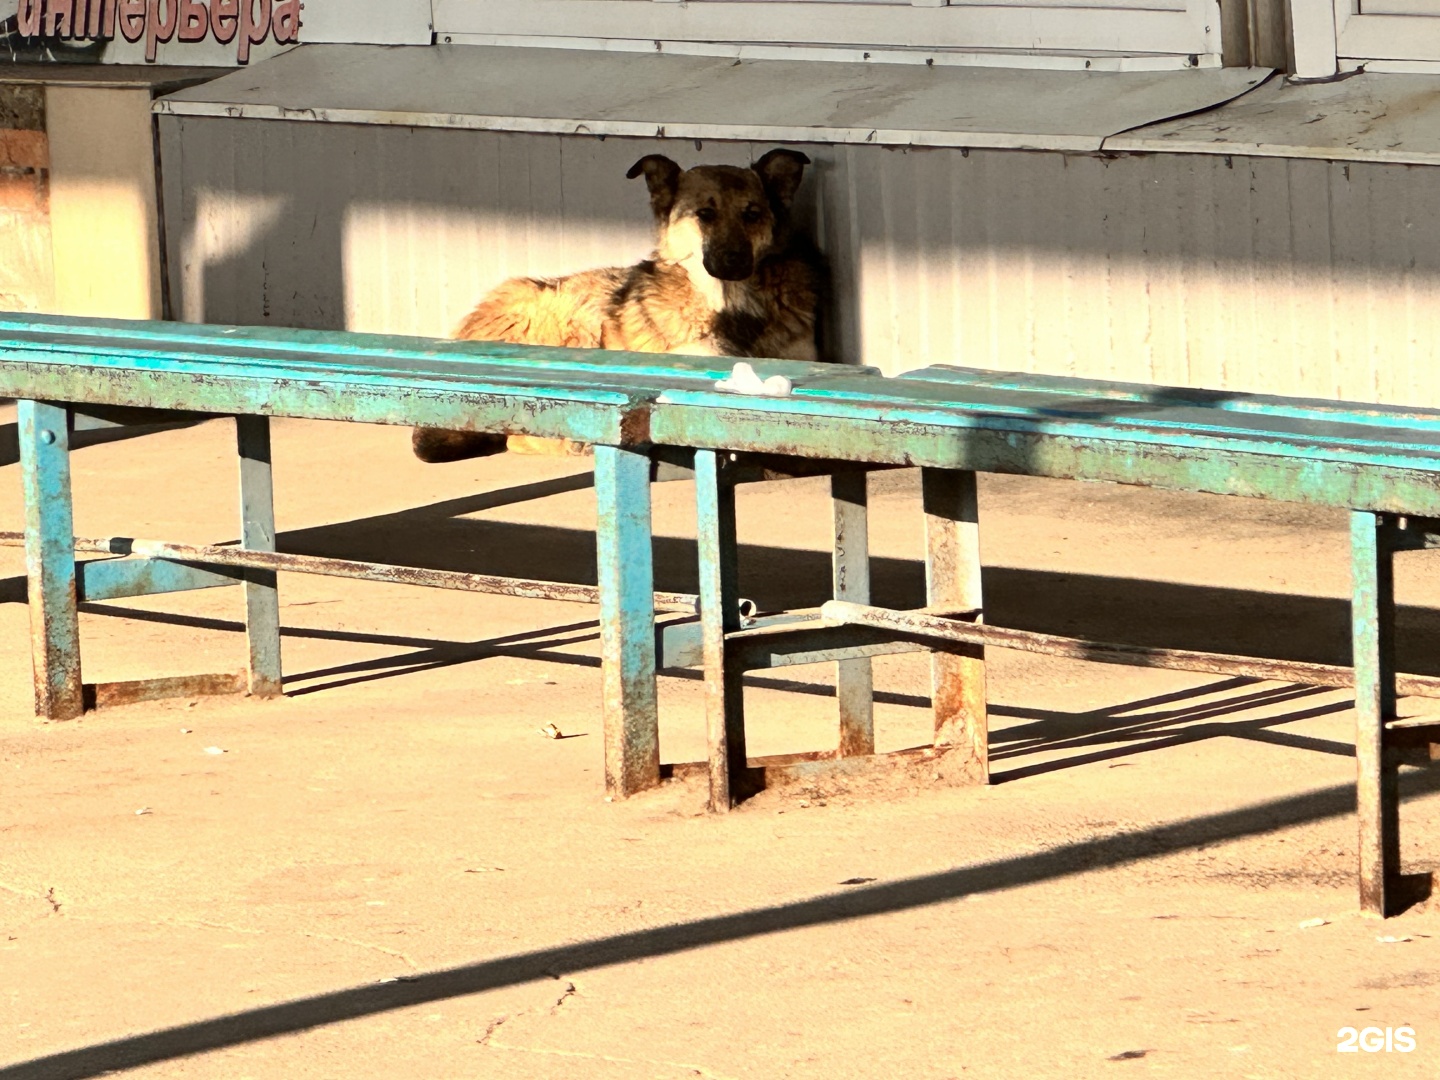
[(850, 565), (1372, 618), (257, 533), (627, 621), (952, 581), (50, 559), (720, 615)]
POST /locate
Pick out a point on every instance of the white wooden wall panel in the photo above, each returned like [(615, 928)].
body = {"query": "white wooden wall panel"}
[(1146, 26), (1312, 28), (1394, 30), (1247, 274)]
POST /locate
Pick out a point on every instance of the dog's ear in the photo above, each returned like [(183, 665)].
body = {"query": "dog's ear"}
[(780, 171), (662, 177)]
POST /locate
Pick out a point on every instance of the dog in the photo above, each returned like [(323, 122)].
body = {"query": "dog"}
[(728, 277)]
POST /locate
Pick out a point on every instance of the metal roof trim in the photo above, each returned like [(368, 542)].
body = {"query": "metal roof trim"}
[(604, 93)]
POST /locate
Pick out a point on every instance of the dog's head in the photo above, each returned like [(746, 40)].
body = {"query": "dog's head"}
[(730, 217)]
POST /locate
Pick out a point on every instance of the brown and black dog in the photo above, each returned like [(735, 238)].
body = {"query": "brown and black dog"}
[(728, 277)]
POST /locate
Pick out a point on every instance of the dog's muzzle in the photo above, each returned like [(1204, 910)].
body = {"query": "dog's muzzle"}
[(729, 265)]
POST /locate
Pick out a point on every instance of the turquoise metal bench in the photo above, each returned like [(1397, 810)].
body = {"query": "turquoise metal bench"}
[(1382, 464), (72, 373)]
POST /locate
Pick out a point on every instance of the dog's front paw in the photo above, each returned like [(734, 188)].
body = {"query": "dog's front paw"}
[(435, 445)]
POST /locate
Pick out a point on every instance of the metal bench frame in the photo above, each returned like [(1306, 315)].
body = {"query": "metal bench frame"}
[(57, 583), (638, 411), (1381, 464), (71, 374)]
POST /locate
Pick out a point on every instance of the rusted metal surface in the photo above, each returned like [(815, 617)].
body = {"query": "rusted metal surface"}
[(1372, 622), (811, 641), (940, 632), (952, 580), (219, 555), (49, 560), (850, 580), (257, 533), (679, 639), (627, 637), (114, 579), (926, 766), (719, 585), (1324, 453), (104, 695)]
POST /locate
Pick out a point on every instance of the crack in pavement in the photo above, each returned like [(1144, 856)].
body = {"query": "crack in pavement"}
[(571, 990), (491, 1028), (565, 995)]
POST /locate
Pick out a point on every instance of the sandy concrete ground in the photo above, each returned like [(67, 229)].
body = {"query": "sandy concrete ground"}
[(391, 873)]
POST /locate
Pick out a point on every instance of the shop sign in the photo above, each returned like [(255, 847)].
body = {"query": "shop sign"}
[(246, 23)]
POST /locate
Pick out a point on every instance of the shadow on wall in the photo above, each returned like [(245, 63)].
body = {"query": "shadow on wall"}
[(390, 229), (1251, 274)]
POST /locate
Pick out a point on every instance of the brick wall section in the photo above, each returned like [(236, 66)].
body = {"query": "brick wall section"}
[(27, 276)]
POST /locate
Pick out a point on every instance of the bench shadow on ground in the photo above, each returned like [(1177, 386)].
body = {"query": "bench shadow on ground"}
[(10, 436), (1207, 618), (351, 1003)]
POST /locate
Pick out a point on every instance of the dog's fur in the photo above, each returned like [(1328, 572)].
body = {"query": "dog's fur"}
[(728, 277)]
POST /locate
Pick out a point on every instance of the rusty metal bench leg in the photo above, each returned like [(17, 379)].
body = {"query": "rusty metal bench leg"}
[(952, 581), (1372, 616), (50, 559), (854, 685), (627, 620), (257, 532), (720, 615)]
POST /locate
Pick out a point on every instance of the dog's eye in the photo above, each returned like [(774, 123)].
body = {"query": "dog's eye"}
[(752, 214), (706, 214)]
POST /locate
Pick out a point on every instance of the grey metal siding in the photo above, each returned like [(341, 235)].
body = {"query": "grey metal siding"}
[(1254, 274)]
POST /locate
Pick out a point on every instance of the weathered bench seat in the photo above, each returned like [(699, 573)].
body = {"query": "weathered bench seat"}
[(1380, 463), (76, 372)]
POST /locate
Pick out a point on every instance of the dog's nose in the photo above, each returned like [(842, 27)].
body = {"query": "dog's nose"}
[(731, 265)]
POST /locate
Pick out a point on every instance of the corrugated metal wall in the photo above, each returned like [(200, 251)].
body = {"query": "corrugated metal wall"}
[(1249, 274)]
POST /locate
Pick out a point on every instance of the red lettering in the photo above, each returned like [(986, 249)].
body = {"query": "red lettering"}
[(285, 23), (252, 29), (224, 19), (29, 17), (132, 19), (194, 20), (102, 19), (59, 18), (156, 30), (80, 16)]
